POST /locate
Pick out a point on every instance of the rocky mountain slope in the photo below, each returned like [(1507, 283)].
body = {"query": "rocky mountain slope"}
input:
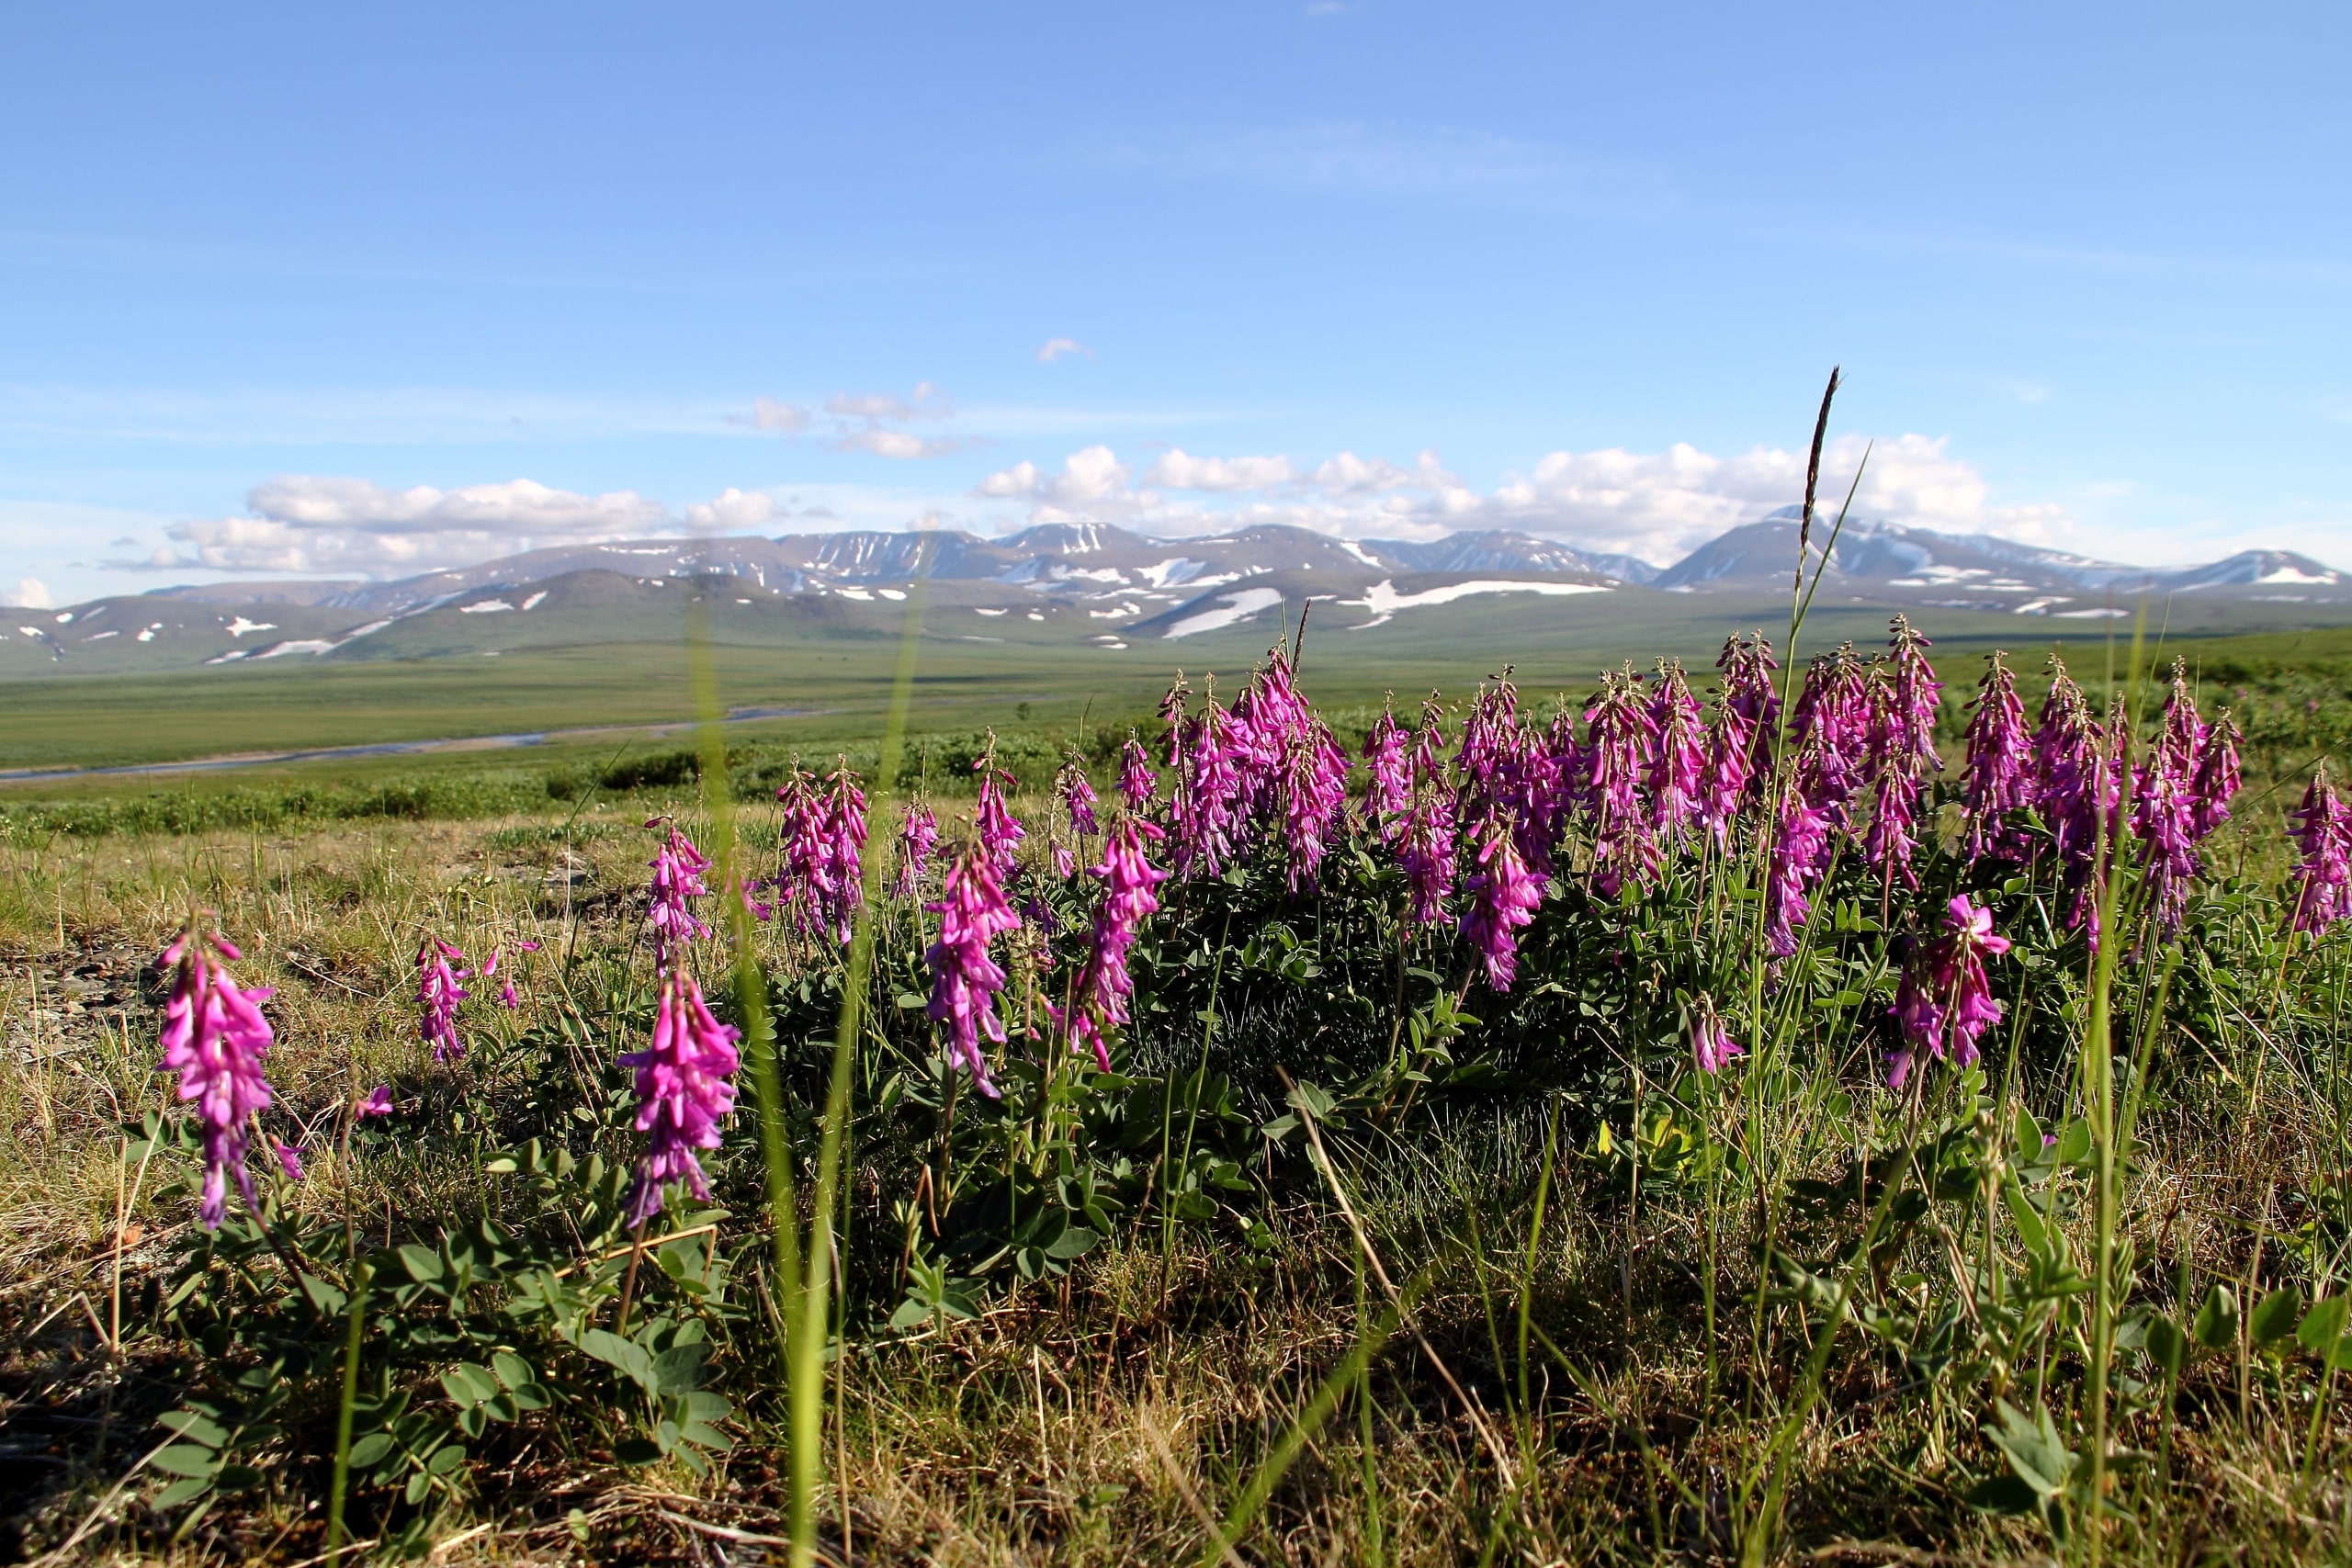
[(1097, 585)]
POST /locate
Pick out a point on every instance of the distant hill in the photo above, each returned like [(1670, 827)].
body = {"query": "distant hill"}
[(1110, 588)]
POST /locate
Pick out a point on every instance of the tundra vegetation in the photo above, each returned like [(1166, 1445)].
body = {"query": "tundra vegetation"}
[(1848, 1107)]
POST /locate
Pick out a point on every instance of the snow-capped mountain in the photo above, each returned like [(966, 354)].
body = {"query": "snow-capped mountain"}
[(1106, 586)]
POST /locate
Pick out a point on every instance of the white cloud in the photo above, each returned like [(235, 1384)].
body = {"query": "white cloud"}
[(1656, 505), (313, 502), (731, 510), (899, 444), (872, 423), (31, 593), (1178, 470), (772, 413), (1054, 348), (305, 523)]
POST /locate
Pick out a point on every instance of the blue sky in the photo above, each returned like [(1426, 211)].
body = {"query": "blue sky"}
[(314, 290)]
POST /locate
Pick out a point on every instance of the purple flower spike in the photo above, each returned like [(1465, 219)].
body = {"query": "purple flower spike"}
[(1391, 792), (917, 836), (1833, 718), (377, 1103), (840, 871), (1137, 779), (1621, 748), (2215, 783), (1000, 831), (439, 967), (1800, 843), (214, 1038), (2323, 831), (1503, 898), (965, 980), (1741, 741), (289, 1158), (1104, 985), (1711, 1046), (684, 1087), (677, 867), (1997, 782), (1078, 796), (1425, 850), (1677, 768), (1945, 1003)]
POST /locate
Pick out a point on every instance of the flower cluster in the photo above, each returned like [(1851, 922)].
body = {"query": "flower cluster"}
[(1137, 779), (918, 835), (678, 869), (1078, 797), (1945, 1003), (2323, 831), (1711, 1046), (1268, 765), (1103, 985), (214, 1038), (684, 1087), (1503, 897), (964, 980), (823, 842), (439, 967), (1000, 831)]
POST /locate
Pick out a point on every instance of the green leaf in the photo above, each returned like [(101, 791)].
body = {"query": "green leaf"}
[(1075, 1242), (2168, 1346), (679, 1368), (446, 1458), (187, 1458), (196, 1426), (370, 1449), (513, 1372), (2276, 1315), (2322, 1327), (2217, 1321), (323, 1296), (626, 1355), (467, 1383), (2003, 1494), (418, 1485), (423, 1265), (2034, 1450), (186, 1491), (2075, 1142)]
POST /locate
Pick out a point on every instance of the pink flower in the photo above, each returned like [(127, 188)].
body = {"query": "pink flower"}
[(377, 1103), (2323, 830), (840, 868), (1503, 898), (917, 834), (290, 1158), (683, 1088), (1677, 768), (1945, 1003), (214, 1038), (1205, 818), (506, 996), (1996, 783), (1801, 842), (1000, 831), (2217, 778), (677, 876), (1833, 726), (1104, 985), (1078, 796), (439, 967), (1621, 748), (1746, 718), (1425, 851), (1711, 1046), (1314, 794), (965, 980), (1065, 862), (1135, 778), (1391, 792)]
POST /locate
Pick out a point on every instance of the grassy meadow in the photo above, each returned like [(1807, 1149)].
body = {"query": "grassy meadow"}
[(1344, 1253)]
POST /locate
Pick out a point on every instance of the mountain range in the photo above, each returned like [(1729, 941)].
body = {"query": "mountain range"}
[(1094, 584)]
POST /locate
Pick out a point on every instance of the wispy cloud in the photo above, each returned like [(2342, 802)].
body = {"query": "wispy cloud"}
[(1424, 162), (876, 424), (1054, 348)]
